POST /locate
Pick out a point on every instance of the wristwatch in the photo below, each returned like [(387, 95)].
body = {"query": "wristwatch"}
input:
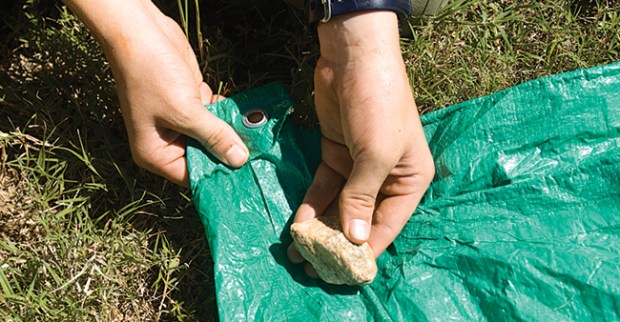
[(324, 10)]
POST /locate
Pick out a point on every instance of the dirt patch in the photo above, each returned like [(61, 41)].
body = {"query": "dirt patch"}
[(18, 223)]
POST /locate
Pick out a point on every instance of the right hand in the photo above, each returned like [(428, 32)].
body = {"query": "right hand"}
[(376, 161), (160, 88)]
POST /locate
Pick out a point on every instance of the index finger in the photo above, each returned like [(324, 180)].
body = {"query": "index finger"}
[(391, 215), (325, 186)]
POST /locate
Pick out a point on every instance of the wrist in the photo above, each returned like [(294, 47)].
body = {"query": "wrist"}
[(355, 37)]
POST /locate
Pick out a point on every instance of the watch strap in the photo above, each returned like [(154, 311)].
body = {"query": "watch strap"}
[(324, 10)]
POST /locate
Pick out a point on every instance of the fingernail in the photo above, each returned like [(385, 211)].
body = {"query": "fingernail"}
[(236, 156), (359, 230)]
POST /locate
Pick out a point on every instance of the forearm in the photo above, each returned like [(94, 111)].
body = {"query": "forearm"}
[(114, 23)]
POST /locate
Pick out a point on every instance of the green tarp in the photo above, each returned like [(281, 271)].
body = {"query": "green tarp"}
[(521, 223)]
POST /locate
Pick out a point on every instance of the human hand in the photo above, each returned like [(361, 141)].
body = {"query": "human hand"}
[(376, 161), (160, 87)]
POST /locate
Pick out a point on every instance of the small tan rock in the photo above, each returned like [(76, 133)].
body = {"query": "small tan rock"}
[(335, 259)]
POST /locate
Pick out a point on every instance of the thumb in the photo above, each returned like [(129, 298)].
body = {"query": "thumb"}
[(358, 199), (217, 136)]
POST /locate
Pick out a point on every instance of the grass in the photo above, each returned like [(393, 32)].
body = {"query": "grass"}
[(86, 235)]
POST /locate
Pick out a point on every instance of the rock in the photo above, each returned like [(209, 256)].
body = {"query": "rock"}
[(335, 259)]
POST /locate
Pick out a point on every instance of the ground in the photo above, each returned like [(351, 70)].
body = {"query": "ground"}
[(87, 235)]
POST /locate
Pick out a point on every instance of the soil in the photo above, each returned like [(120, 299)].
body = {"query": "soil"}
[(18, 223)]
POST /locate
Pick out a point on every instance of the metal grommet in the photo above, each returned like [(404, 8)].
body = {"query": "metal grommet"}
[(254, 118)]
